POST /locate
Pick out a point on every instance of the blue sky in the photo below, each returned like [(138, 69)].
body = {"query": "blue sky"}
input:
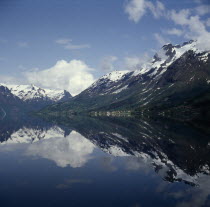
[(97, 36)]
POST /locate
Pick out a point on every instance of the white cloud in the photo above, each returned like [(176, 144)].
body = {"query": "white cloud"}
[(197, 196), (107, 63), (202, 9), (161, 40), (157, 10), (136, 62), (10, 79), (189, 19), (75, 47), (208, 22), (67, 44), (136, 9), (22, 44), (63, 41), (180, 17), (193, 26), (74, 76), (73, 150), (175, 31)]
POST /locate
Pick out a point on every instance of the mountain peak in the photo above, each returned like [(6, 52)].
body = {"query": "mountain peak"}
[(32, 92), (188, 42)]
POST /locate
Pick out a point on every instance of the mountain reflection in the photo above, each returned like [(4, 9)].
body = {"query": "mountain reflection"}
[(176, 151)]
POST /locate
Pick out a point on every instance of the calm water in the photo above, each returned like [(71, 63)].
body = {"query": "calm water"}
[(103, 162)]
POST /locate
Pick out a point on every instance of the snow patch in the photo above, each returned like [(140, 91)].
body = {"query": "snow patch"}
[(114, 76), (120, 89)]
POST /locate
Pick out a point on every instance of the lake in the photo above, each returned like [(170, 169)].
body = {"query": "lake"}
[(103, 161)]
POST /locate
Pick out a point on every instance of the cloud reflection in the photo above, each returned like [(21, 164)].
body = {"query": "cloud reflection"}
[(73, 150)]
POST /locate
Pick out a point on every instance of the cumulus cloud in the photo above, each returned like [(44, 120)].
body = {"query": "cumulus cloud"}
[(107, 63), (136, 9), (193, 26), (73, 150), (68, 44), (74, 76)]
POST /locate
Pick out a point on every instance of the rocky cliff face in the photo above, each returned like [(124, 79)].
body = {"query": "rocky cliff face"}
[(9, 102)]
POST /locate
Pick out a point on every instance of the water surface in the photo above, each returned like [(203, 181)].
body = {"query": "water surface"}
[(103, 161)]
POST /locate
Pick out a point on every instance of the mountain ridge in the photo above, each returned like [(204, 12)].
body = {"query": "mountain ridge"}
[(31, 96), (175, 75)]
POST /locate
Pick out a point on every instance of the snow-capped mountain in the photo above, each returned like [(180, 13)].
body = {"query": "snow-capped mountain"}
[(34, 97), (32, 92), (151, 70), (174, 76), (106, 84)]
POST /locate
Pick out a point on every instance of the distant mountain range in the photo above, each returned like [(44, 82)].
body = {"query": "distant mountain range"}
[(177, 79), (16, 98)]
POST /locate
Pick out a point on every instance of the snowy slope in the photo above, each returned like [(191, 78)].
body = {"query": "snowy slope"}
[(30, 92), (168, 55), (118, 81), (108, 83), (114, 76)]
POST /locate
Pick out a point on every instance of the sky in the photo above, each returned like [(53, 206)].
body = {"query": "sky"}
[(68, 44)]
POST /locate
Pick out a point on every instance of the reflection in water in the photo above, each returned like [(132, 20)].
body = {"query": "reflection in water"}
[(177, 153), (198, 196), (2, 113), (70, 182), (27, 135), (73, 150)]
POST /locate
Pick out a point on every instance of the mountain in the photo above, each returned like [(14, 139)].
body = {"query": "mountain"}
[(9, 102), (30, 97), (176, 79)]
